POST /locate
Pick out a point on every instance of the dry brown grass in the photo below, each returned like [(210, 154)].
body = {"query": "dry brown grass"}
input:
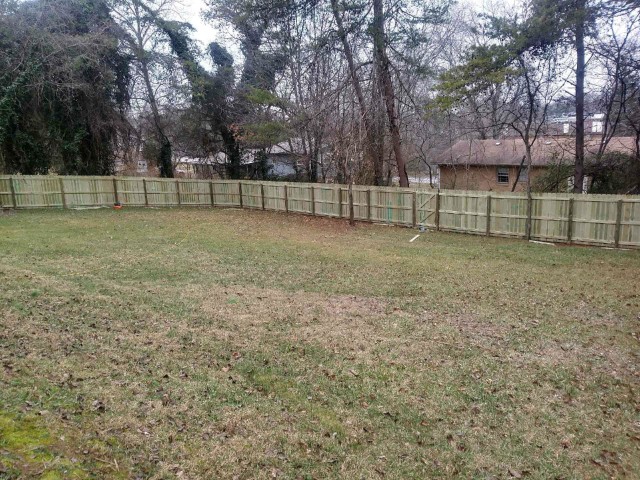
[(234, 344)]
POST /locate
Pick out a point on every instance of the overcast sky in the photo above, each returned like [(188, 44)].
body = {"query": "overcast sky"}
[(207, 33)]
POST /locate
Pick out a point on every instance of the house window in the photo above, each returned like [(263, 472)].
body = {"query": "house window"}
[(596, 127), (503, 175)]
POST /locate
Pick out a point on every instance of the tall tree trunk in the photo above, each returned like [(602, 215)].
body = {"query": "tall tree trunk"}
[(578, 175), (378, 124), (389, 96), (355, 81), (165, 154), (232, 149), (164, 158)]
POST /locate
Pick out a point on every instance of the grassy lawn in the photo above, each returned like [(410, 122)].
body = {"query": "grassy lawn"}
[(235, 344)]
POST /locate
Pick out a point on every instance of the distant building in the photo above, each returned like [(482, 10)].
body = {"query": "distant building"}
[(142, 166), (277, 165), (566, 124), (496, 165), (285, 159)]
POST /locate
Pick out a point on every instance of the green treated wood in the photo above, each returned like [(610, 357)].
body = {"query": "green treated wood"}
[(324, 200), (64, 199), (313, 199), (131, 191), (630, 224), (415, 209), (286, 198), (115, 191), (585, 219), (508, 213), (570, 221), (226, 193), (488, 220), (616, 240), (12, 187), (195, 193), (438, 211), (594, 219), (351, 211), (298, 198), (86, 191), (146, 195)]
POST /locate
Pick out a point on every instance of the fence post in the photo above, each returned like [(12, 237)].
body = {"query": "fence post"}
[(240, 192), (12, 187), (262, 194), (570, 221), (213, 202), (286, 198), (351, 213), (438, 210), (527, 226), (488, 232), (64, 200), (369, 204), (415, 209), (313, 200), (178, 190), (116, 197), (339, 202), (146, 196), (618, 223)]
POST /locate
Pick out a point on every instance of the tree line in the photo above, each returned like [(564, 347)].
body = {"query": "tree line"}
[(368, 91)]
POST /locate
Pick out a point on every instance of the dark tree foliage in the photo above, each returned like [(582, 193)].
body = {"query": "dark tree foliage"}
[(63, 88), (209, 91), (225, 109)]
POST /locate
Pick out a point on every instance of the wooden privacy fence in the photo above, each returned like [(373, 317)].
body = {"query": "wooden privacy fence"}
[(605, 220)]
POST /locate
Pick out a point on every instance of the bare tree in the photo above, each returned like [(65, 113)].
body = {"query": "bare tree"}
[(147, 45)]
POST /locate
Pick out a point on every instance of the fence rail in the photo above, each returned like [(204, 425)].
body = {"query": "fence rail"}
[(603, 220)]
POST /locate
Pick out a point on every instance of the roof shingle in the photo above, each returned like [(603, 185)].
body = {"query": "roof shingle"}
[(511, 150)]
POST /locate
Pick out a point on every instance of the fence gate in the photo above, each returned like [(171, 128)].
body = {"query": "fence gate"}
[(427, 208)]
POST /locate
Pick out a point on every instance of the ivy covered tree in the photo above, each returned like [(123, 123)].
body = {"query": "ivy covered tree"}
[(63, 87), (233, 115), (210, 93)]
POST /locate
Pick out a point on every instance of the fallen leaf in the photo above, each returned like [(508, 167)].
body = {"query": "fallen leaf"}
[(515, 473)]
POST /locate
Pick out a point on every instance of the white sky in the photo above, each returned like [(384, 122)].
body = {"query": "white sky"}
[(190, 12), (206, 33)]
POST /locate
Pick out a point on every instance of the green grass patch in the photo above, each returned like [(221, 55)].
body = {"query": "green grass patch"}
[(213, 343)]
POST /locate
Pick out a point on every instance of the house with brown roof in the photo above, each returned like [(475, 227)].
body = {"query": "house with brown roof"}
[(498, 165)]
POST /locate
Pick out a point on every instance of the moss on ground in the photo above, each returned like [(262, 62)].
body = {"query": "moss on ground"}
[(27, 449)]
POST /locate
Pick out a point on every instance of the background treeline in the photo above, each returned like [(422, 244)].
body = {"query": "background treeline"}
[(367, 90)]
